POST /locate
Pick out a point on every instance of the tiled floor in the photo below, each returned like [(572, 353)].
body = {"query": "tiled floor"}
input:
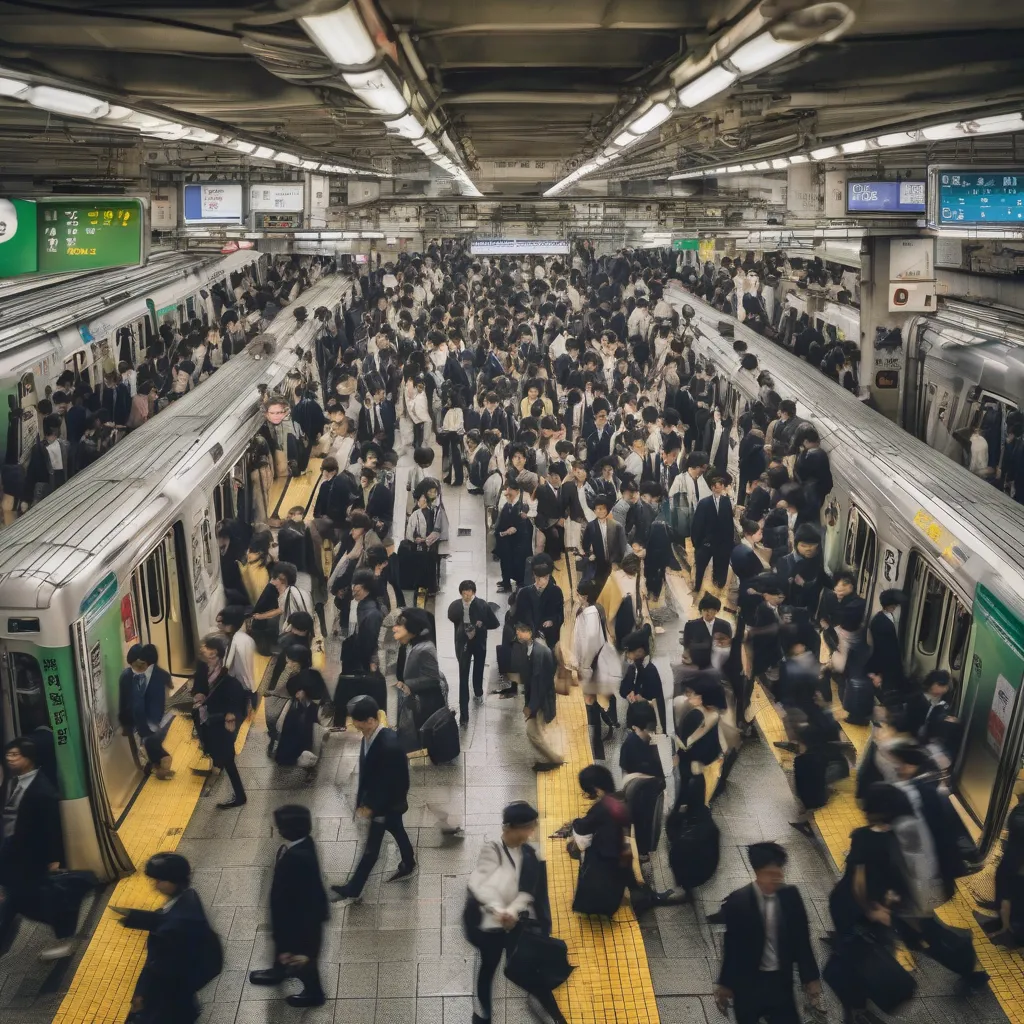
[(400, 956)]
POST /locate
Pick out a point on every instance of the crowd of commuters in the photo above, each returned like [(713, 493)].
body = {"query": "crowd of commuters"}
[(567, 395)]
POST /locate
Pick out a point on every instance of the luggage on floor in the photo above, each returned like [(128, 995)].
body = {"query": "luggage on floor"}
[(864, 967), (859, 701), (693, 846), (440, 735)]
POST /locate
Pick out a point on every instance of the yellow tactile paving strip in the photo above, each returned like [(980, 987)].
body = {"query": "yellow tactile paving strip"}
[(612, 982), (103, 984)]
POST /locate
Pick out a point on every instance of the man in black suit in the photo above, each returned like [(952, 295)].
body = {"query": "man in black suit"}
[(766, 935), (377, 418), (886, 658), (142, 692), (382, 796), (604, 542), (599, 441), (493, 417), (298, 909), (512, 537), (542, 604), (541, 699), (472, 618), (360, 648), (550, 519), (31, 843), (814, 471), (699, 632), (330, 509), (712, 533)]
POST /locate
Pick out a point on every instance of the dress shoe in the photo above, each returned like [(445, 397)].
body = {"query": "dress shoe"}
[(302, 999), (547, 766), (342, 894), (271, 976), (228, 804), (463, 721), (65, 949), (404, 871)]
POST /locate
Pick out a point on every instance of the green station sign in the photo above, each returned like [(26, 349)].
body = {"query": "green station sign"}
[(685, 244), (61, 236)]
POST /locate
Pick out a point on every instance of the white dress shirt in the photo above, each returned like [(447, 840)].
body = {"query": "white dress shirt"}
[(770, 910)]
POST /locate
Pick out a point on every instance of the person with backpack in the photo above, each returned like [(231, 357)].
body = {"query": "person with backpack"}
[(183, 953)]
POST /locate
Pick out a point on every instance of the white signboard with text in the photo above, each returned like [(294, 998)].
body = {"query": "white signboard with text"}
[(286, 197), (519, 246)]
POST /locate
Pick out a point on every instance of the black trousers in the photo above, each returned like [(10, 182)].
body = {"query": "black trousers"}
[(417, 435), (768, 996), (478, 656), (153, 744), (491, 946), (235, 779), (390, 823), (308, 975), (452, 447), (702, 558)]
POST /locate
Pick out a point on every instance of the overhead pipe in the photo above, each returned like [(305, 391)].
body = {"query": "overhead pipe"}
[(550, 98)]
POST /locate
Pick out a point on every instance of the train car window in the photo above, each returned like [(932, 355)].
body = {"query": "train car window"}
[(190, 306), (861, 550), (30, 695), (154, 587), (218, 504), (960, 640), (867, 562), (929, 629), (207, 532)]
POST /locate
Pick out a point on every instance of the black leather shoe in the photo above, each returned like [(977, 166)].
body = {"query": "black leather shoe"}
[(404, 871), (228, 804), (271, 976), (302, 999)]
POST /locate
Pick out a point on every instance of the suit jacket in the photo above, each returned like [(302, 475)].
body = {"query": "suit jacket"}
[(380, 506), (496, 420), (37, 840), (549, 506), (156, 693), (298, 901), (360, 648), (540, 684), (599, 444), (535, 607), (479, 611), (333, 499), (712, 529), (365, 431), (695, 631), (384, 775), (644, 680), (594, 545), (815, 473), (886, 657), (572, 501), (743, 945)]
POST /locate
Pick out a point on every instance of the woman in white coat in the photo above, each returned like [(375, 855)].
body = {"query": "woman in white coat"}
[(597, 665)]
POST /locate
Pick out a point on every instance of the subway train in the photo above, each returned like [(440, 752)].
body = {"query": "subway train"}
[(126, 552), (964, 367), (78, 322), (901, 515)]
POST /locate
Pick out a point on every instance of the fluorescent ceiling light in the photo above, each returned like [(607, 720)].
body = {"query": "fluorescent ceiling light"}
[(720, 170), (894, 139), (860, 146), (350, 234), (201, 135), (241, 147), (168, 131), (377, 90), (408, 127), (341, 35), (763, 165), (733, 169), (601, 159), (798, 159), (12, 87), (711, 83), (626, 139), (996, 123), (143, 121), (119, 113), (371, 234), (62, 101), (943, 131), (780, 163), (285, 158), (747, 167), (658, 114), (263, 153), (426, 146), (307, 236), (760, 52), (309, 165), (611, 151), (824, 153), (326, 236)]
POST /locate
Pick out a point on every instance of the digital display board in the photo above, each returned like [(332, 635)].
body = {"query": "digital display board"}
[(89, 234), (970, 196), (283, 197), (885, 197), (213, 202), (517, 246)]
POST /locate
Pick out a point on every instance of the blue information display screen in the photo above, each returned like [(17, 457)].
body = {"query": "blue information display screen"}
[(885, 197), (980, 197)]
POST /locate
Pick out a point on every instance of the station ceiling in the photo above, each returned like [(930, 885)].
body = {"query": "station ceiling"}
[(522, 80)]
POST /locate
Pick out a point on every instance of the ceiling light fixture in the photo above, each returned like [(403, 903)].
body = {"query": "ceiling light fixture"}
[(711, 83), (733, 169), (263, 153), (286, 158), (825, 153), (780, 163), (407, 127), (378, 91), (13, 88), (309, 165), (116, 113), (798, 159), (241, 147), (763, 165), (63, 101), (895, 139), (626, 139), (341, 35), (859, 146), (762, 51), (938, 132), (658, 114), (995, 123), (201, 135)]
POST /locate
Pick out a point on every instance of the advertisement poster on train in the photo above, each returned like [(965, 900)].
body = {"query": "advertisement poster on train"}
[(101, 717), (198, 585), (999, 713)]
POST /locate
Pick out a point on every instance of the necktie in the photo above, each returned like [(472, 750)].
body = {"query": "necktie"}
[(140, 681)]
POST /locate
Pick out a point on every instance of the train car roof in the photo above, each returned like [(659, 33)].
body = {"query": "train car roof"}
[(972, 509), (100, 514)]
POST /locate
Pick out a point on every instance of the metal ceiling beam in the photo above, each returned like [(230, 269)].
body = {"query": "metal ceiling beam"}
[(513, 97)]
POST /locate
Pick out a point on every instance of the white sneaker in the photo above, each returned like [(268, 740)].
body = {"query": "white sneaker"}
[(57, 952)]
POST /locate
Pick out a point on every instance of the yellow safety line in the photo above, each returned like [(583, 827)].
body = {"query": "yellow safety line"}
[(102, 987), (612, 982)]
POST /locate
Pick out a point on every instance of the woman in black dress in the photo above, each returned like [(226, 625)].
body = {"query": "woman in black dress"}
[(600, 838), (697, 741)]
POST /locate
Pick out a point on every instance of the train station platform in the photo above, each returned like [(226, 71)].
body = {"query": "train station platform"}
[(399, 956)]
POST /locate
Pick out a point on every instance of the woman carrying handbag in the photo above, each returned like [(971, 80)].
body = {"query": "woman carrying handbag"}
[(507, 895)]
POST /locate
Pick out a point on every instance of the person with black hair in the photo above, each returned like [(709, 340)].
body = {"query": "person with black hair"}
[(50, 464), (513, 537), (539, 690), (382, 797), (298, 909), (472, 619), (766, 936), (183, 953), (886, 658), (711, 531), (142, 693), (641, 679)]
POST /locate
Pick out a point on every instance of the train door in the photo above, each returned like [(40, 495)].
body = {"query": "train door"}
[(26, 416), (25, 707), (164, 620), (861, 551), (935, 624)]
